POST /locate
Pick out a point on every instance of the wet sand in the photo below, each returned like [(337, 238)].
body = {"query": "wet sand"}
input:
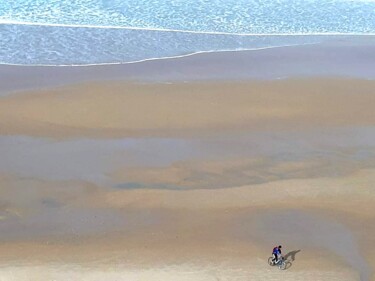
[(122, 109), (194, 181), (340, 56), (325, 224)]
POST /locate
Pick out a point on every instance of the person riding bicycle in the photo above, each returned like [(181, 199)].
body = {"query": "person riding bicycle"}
[(276, 252)]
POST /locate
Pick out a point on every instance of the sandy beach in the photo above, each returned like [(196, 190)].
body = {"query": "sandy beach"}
[(177, 178)]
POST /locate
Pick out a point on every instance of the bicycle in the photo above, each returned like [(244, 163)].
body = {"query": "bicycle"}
[(282, 263)]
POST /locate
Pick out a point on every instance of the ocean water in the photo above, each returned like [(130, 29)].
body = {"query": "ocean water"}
[(81, 32)]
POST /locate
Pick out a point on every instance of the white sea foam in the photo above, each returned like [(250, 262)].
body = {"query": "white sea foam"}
[(94, 32), (13, 22)]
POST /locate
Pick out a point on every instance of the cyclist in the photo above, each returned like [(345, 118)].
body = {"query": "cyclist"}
[(276, 252)]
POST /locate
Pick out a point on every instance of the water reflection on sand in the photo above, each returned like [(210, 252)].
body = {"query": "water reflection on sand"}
[(95, 160)]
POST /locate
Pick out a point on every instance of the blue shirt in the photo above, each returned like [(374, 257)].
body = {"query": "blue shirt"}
[(276, 251)]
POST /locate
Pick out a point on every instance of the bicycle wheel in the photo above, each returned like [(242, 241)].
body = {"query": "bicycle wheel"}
[(270, 261), (282, 265)]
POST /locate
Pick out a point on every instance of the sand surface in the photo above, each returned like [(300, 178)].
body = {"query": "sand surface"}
[(121, 109), (324, 224), (188, 181)]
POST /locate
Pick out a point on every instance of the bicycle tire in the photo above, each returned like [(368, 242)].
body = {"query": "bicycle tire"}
[(282, 265)]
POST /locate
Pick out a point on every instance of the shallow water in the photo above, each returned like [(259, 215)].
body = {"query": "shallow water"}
[(230, 16), (62, 32), (23, 44)]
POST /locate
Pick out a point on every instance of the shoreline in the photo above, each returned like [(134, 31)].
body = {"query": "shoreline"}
[(346, 57), (161, 58), (334, 38)]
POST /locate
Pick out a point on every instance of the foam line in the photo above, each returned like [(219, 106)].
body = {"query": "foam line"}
[(159, 58), (10, 22)]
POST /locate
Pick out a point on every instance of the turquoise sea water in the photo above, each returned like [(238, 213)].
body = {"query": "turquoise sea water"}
[(66, 32)]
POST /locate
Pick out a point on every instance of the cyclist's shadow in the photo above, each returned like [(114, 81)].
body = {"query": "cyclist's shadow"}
[(291, 256)]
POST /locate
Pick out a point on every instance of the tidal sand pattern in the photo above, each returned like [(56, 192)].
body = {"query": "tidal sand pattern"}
[(189, 168)]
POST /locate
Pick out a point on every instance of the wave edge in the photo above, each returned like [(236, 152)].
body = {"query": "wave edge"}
[(25, 23), (157, 58)]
